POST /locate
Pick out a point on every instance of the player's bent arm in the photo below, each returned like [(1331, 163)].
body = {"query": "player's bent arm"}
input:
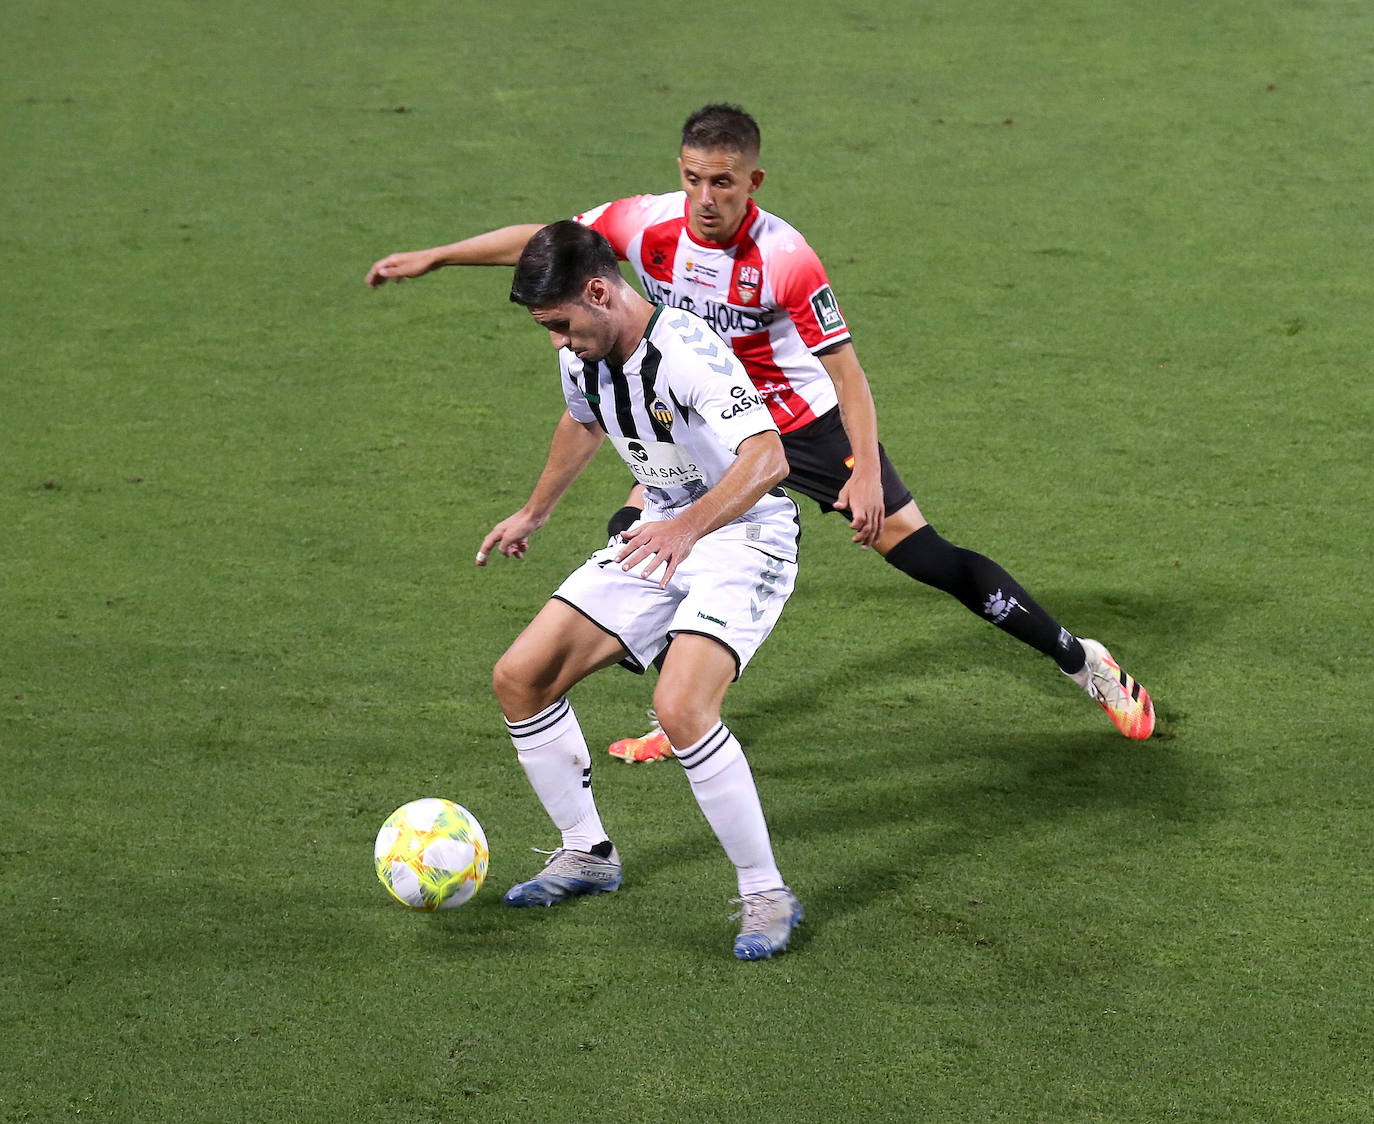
[(571, 450), (760, 464), (862, 494), (495, 247), (857, 411)]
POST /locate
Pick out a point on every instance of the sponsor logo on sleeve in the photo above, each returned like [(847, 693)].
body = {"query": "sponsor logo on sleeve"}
[(827, 310), (744, 401)]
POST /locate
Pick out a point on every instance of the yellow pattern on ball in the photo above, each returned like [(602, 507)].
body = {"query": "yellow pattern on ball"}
[(431, 854)]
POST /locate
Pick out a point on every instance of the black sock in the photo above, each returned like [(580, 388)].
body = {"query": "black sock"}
[(985, 588), (622, 519)]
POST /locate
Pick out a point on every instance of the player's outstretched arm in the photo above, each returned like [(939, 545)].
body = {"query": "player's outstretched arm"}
[(862, 495), (760, 464), (495, 247), (571, 450)]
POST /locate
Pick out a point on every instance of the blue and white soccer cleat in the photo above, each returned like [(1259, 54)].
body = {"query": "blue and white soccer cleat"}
[(769, 917), (567, 874)]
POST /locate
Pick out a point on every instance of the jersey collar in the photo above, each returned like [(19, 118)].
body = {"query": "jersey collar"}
[(649, 327), (639, 345), (751, 212)]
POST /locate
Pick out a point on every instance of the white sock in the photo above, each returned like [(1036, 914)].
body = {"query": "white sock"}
[(554, 755), (724, 788)]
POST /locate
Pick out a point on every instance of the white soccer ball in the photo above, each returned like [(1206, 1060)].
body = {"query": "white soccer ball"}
[(431, 854)]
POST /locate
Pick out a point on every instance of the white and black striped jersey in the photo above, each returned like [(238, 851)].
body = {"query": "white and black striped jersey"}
[(677, 411)]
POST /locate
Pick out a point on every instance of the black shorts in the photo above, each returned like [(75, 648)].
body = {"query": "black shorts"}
[(816, 455)]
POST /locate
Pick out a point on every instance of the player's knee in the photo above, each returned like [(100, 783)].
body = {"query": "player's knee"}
[(925, 556), (516, 686), (933, 560), (505, 683), (685, 716)]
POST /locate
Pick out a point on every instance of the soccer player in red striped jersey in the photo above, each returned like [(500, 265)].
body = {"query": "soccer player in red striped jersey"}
[(709, 248)]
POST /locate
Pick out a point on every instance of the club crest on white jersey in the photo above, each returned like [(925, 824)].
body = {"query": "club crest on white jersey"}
[(677, 411)]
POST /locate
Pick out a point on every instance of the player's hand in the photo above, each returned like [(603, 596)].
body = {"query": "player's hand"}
[(665, 542), (397, 267), (511, 537), (863, 499)]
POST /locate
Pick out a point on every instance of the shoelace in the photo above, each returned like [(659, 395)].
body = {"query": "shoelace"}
[(552, 856), (1113, 692), (553, 859), (752, 906)]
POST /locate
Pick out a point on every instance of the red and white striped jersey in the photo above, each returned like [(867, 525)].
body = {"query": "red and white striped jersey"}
[(765, 293)]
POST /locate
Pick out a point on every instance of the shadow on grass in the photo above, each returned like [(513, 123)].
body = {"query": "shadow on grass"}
[(944, 771), (1010, 792), (966, 798), (944, 774)]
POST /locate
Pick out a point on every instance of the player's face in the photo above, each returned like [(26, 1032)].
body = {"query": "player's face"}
[(718, 184), (581, 325)]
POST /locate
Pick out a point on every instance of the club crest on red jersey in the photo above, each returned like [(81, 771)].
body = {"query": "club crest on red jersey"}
[(747, 283)]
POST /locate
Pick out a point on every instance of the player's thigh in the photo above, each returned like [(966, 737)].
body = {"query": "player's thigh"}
[(557, 649), (820, 460), (899, 525), (691, 687), (634, 611), (735, 593)]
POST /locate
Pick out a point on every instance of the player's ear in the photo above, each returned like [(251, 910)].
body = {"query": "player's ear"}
[(596, 292), (755, 180)]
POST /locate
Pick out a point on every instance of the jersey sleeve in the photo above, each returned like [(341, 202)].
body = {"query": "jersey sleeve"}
[(578, 405), (802, 288), (708, 378), (618, 221)]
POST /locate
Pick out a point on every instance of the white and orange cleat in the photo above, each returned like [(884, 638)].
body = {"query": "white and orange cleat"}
[(1126, 702), (653, 746)]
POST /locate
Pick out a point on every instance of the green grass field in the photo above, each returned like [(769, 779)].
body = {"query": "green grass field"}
[(1108, 268)]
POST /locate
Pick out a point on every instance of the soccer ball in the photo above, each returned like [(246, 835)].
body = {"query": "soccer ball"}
[(431, 854)]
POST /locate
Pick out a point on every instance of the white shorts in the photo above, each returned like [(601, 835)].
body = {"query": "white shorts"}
[(727, 588)]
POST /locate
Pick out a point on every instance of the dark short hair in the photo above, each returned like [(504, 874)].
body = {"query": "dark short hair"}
[(557, 261), (721, 126)]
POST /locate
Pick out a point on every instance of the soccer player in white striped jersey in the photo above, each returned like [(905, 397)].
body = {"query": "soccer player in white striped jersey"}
[(695, 587), (711, 249)]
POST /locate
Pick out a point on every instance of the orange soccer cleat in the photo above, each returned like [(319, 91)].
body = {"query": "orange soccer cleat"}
[(653, 746), (1126, 702)]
